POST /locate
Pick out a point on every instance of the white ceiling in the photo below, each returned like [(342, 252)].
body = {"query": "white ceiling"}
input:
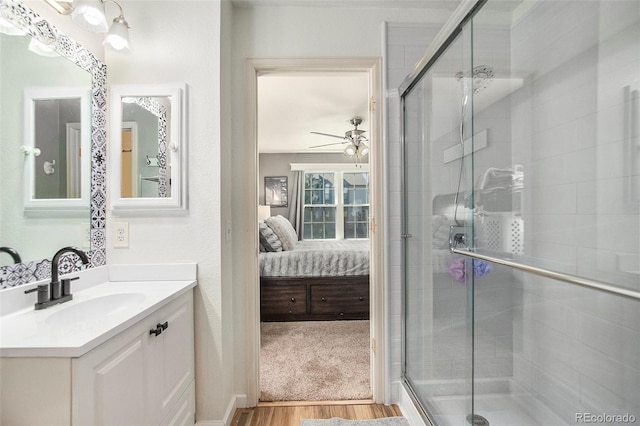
[(291, 106)]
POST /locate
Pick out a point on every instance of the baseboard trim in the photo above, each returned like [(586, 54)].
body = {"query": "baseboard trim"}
[(408, 408), (237, 401)]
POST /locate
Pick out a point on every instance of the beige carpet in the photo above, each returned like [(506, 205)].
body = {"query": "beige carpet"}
[(314, 361)]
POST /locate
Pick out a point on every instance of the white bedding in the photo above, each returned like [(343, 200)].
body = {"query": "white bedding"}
[(318, 259)]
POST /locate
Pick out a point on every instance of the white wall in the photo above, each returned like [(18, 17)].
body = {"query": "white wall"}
[(261, 32), (180, 41)]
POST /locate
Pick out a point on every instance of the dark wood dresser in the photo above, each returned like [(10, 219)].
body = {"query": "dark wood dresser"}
[(314, 298)]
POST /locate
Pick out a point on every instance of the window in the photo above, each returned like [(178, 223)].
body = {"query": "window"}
[(336, 205), (356, 205)]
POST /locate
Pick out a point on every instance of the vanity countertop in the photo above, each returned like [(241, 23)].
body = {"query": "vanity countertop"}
[(106, 301)]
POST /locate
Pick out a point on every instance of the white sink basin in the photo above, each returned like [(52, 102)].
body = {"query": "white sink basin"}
[(95, 314), (96, 308)]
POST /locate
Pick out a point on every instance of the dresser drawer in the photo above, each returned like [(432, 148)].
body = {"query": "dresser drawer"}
[(339, 299), (283, 299)]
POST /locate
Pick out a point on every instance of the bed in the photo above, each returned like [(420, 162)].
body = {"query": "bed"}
[(315, 281)]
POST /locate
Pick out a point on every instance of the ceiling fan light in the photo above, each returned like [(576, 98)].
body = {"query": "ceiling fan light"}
[(363, 150), (350, 150)]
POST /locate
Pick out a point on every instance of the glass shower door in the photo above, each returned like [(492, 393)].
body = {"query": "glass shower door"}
[(438, 305)]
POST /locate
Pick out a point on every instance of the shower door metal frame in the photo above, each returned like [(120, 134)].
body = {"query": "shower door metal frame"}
[(445, 37)]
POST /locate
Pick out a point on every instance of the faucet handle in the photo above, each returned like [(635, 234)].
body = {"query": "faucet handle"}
[(66, 285), (43, 293)]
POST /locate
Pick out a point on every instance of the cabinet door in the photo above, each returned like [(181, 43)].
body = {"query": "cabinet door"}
[(136, 378), (173, 370), (109, 386)]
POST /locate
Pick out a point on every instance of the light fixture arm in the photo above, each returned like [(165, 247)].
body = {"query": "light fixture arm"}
[(120, 18)]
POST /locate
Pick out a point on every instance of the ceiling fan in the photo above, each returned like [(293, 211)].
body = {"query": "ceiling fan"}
[(354, 138)]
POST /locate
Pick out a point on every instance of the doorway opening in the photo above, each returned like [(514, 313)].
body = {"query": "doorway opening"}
[(325, 198)]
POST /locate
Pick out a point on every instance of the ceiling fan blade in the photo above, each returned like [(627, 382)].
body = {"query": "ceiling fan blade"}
[(326, 144), (327, 134)]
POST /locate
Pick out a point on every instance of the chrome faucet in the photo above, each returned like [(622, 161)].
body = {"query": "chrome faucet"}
[(13, 253), (57, 291)]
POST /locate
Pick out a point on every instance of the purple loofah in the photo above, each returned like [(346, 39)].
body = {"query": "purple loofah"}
[(481, 268), (458, 273), (456, 269)]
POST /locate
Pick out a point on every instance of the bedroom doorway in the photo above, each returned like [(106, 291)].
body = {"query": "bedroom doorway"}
[(357, 339)]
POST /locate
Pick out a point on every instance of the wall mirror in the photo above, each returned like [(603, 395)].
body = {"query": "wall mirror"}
[(45, 75), (148, 148), (57, 172)]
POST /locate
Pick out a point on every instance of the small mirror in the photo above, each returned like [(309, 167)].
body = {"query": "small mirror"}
[(148, 148), (56, 147)]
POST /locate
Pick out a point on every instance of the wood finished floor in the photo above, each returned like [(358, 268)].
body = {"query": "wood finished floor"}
[(279, 415)]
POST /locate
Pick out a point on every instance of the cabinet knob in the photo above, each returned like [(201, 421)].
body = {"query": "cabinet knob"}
[(293, 299), (361, 298), (323, 299)]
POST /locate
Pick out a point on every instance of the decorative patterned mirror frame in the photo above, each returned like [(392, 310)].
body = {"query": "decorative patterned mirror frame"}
[(36, 26)]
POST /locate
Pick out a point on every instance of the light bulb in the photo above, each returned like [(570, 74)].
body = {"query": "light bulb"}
[(363, 150), (350, 151)]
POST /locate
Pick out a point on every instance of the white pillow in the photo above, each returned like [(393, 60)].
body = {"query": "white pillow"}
[(268, 239), (284, 230)]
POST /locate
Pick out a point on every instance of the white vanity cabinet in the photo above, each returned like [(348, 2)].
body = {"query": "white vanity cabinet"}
[(143, 376), (136, 377)]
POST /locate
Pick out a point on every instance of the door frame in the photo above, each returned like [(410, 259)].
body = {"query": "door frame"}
[(260, 66)]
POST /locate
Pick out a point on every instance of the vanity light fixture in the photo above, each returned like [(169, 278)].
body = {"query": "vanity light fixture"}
[(118, 36), (62, 7), (90, 15)]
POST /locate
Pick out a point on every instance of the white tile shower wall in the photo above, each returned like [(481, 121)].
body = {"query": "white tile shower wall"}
[(576, 349)]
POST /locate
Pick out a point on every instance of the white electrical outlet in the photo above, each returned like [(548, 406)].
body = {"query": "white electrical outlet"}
[(121, 234)]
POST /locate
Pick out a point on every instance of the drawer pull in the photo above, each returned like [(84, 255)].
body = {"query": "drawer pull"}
[(293, 299), (323, 299), (160, 327), (361, 298)]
